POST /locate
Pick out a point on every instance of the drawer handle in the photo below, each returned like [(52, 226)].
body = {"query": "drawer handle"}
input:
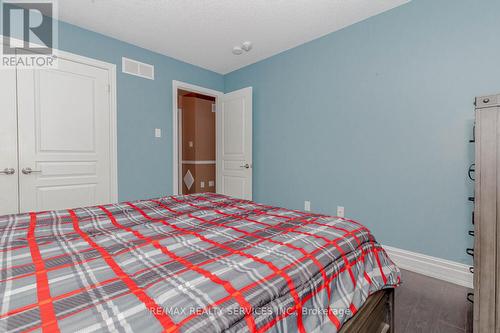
[(472, 169)]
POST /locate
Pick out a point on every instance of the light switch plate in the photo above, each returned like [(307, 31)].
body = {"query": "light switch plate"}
[(211, 183), (157, 132), (190, 144), (307, 206), (202, 184), (340, 211)]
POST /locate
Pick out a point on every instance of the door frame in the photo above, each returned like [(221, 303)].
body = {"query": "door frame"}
[(176, 86), (113, 133)]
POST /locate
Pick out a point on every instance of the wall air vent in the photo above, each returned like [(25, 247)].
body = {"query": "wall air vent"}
[(137, 68)]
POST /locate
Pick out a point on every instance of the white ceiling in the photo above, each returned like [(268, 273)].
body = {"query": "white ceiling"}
[(203, 32)]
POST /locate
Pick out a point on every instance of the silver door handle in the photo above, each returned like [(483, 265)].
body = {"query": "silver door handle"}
[(8, 171), (28, 171), (246, 166)]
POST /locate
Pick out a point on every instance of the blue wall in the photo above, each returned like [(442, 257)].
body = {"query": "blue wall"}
[(376, 117), (144, 162)]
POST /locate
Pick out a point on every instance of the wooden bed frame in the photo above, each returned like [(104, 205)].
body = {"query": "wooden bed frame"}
[(375, 316)]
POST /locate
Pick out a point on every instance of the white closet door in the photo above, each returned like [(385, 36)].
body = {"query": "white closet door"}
[(64, 139), (234, 144), (8, 143)]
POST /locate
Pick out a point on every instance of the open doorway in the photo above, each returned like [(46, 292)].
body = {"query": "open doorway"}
[(197, 160), (212, 140)]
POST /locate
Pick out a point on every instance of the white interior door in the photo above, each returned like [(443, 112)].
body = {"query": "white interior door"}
[(64, 136), (234, 144), (8, 143)]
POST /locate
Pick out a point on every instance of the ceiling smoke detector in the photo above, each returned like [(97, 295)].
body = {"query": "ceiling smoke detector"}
[(237, 50)]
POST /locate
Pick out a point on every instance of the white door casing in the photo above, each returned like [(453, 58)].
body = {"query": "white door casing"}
[(234, 144), (65, 116), (8, 143)]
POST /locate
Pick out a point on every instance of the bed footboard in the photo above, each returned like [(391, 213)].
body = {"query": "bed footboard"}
[(376, 315)]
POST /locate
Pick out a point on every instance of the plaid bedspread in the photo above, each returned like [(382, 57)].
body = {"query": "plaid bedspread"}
[(197, 263)]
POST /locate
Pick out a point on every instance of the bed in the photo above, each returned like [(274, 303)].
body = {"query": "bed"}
[(195, 263)]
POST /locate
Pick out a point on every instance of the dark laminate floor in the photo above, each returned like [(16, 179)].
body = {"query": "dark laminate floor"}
[(424, 304)]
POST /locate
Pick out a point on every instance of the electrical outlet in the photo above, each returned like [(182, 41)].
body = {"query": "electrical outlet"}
[(307, 206), (340, 211), (202, 184), (211, 183), (157, 132)]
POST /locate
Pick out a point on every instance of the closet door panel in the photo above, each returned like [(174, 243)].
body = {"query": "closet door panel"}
[(8, 143), (64, 117)]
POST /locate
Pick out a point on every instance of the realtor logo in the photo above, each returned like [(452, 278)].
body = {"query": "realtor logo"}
[(29, 33)]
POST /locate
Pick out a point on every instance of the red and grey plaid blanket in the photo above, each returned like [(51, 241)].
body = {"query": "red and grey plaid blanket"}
[(197, 263)]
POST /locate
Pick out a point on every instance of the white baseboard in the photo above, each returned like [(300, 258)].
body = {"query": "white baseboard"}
[(438, 268)]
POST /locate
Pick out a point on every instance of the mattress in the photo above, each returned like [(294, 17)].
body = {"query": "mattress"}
[(195, 263)]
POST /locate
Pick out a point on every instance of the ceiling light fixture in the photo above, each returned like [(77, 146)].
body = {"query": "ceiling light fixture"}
[(247, 46)]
